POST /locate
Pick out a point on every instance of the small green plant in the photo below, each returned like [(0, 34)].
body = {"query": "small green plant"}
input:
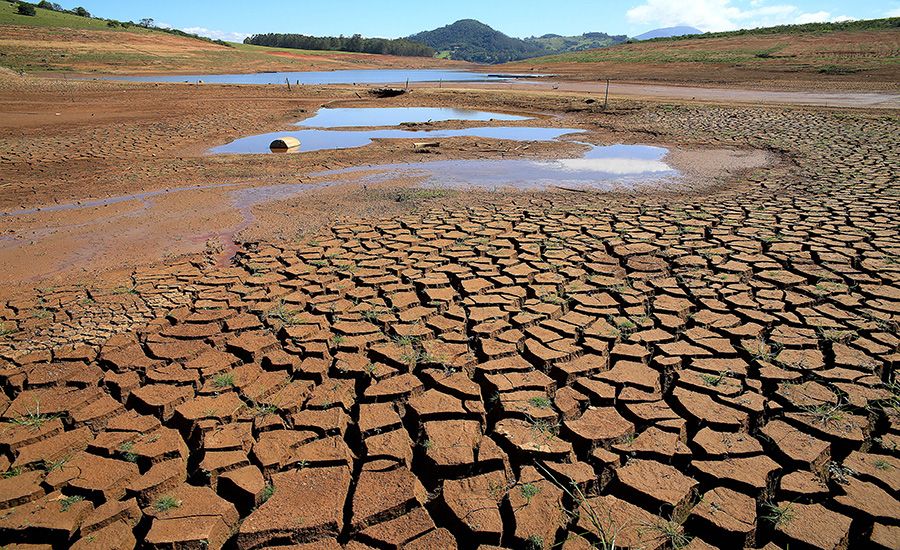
[(826, 413), (541, 402), (544, 429), (12, 472), (264, 409), (125, 290), (370, 369), (337, 339), (710, 380), (534, 542), (779, 516), (52, 466), (529, 491), (267, 493), (224, 380), (7, 329), (759, 349), (841, 336), (127, 453), (672, 532), (881, 464), (41, 313), (68, 502), (411, 359), (605, 530), (33, 418), (404, 341), (427, 444), (166, 503)]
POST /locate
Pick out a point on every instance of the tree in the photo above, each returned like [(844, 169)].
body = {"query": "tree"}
[(147, 22), (26, 9), (81, 12)]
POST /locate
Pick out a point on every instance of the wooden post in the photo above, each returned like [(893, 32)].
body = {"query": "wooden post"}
[(606, 98), (288, 82), (407, 84)]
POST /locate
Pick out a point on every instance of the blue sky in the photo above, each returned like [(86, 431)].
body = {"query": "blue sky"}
[(234, 19)]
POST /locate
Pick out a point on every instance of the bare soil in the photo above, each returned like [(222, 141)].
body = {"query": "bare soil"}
[(387, 367)]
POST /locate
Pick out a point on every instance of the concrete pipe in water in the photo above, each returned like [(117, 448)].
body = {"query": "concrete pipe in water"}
[(284, 144)]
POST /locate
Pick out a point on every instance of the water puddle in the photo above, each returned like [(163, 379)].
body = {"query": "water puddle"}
[(366, 76), (601, 168), (317, 140), (395, 116)]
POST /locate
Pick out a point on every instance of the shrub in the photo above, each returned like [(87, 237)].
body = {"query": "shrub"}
[(26, 9)]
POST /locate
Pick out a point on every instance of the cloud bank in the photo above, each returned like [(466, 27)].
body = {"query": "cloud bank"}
[(723, 15)]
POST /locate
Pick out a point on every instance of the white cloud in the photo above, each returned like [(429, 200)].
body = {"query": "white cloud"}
[(893, 13), (723, 15), (216, 34)]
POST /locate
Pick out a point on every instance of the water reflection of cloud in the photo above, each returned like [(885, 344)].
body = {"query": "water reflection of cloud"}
[(617, 166)]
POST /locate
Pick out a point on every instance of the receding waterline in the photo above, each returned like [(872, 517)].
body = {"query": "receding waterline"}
[(344, 117), (362, 76)]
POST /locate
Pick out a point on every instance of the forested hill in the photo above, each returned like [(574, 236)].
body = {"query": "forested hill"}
[(355, 43), (471, 40)]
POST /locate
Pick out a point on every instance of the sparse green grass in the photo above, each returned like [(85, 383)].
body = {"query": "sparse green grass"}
[(602, 525), (267, 493), (263, 409), (33, 418), (166, 503), (225, 380), (7, 328), (714, 381), (826, 413), (834, 335), (12, 472), (52, 466), (529, 491), (534, 542), (68, 502), (779, 516), (541, 402), (127, 453), (125, 290), (881, 464), (672, 532)]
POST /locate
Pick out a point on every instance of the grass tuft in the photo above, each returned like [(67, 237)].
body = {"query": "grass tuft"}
[(166, 503)]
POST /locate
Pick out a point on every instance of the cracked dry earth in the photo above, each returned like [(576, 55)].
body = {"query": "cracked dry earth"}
[(525, 371)]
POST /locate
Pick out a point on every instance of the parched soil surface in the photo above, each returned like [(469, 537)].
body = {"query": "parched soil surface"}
[(526, 370)]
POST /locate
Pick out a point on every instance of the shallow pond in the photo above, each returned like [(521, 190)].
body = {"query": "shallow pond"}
[(601, 168), (317, 140), (367, 76), (394, 116)]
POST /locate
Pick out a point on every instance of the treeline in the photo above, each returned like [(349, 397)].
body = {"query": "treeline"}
[(861, 25), (26, 8), (355, 43)]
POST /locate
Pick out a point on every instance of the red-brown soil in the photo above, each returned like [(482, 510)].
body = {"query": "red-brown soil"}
[(440, 370)]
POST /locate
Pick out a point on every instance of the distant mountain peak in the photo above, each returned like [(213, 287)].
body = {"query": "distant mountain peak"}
[(667, 32)]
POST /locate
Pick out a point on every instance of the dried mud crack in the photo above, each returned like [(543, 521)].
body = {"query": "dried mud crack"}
[(538, 370)]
